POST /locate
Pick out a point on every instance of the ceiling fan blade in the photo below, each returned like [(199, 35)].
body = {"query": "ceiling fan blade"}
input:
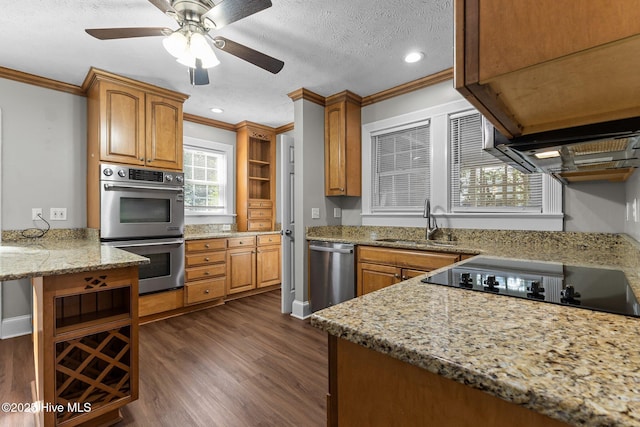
[(165, 6), (229, 11), (125, 33), (259, 59), (198, 76)]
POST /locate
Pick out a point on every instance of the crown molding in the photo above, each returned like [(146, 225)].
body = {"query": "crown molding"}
[(345, 95), (307, 95), (247, 123), (409, 87), (32, 79), (208, 122), (284, 128)]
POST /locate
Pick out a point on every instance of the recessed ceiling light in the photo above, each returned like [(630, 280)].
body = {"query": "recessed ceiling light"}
[(413, 57), (217, 110)]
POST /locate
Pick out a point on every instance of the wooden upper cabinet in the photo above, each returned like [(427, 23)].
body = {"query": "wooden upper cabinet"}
[(342, 158), (255, 177), (133, 123), (164, 132), (536, 66)]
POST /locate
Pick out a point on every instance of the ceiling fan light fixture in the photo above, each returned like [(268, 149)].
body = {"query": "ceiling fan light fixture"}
[(176, 44), (412, 57)]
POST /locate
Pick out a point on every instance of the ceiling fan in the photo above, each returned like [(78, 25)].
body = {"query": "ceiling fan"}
[(189, 42)]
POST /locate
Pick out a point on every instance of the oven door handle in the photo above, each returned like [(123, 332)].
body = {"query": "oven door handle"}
[(141, 187), (133, 245)]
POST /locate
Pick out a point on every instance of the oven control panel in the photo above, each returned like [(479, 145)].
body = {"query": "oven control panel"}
[(120, 173)]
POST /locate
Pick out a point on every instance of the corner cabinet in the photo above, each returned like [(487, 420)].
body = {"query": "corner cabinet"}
[(581, 69), (342, 145), (255, 177), (133, 123)]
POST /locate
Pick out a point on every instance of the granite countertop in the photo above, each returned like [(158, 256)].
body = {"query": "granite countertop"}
[(575, 365), (34, 258), (199, 235)]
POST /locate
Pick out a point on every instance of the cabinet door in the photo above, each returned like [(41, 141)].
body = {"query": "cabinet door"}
[(268, 266), (163, 133), (241, 272), (122, 124), (408, 273), (372, 277), (334, 151)]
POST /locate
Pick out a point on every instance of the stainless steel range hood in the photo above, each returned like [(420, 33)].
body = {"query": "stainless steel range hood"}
[(602, 151)]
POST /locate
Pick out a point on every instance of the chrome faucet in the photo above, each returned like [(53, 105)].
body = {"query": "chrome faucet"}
[(427, 214)]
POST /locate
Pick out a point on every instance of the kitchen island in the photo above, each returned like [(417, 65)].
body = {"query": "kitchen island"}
[(85, 334), (416, 353)]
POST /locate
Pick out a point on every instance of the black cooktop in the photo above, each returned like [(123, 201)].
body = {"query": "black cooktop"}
[(597, 289)]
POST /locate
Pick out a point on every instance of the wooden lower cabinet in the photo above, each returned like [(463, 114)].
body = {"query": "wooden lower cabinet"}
[(85, 339), (380, 267), (268, 261), (241, 270), (400, 394), (205, 270)]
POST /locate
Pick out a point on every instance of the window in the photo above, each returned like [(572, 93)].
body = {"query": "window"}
[(205, 179), (479, 181), (400, 170)]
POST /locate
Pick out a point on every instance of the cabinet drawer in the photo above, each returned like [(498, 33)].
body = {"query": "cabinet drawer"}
[(204, 290), (269, 239), (421, 260), (259, 225), (239, 242), (260, 204), (206, 245), (205, 258), (196, 273), (260, 214)]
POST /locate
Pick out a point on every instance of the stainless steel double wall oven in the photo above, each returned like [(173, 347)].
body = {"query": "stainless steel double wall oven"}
[(142, 211)]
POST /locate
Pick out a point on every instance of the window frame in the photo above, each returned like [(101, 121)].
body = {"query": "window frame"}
[(550, 219), (229, 191)]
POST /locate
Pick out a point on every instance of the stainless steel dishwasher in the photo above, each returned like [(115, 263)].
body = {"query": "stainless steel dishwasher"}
[(332, 275)]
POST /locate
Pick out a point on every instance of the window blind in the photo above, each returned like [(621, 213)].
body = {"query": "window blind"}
[(401, 169), (479, 181)]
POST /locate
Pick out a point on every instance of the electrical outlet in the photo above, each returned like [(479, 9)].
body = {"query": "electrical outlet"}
[(58, 214), (226, 227), (337, 212), (315, 213), (35, 212), (635, 210)]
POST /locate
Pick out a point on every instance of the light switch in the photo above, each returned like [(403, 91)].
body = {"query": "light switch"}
[(315, 213)]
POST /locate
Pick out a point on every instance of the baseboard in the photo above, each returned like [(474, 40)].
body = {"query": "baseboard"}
[(16, 326), (300, 309)]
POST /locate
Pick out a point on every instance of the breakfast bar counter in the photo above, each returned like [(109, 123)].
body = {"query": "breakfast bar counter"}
[(85, 327), (429, 353)]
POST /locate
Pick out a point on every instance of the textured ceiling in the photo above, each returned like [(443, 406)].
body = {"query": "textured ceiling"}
[(327, 46)]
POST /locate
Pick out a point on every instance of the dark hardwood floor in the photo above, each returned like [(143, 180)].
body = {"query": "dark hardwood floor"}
[(241, 364)]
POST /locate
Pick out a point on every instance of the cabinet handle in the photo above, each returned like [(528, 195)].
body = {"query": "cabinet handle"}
[(206, 245), (404, 277), (240, 242), (397, 276), (206, 273), (142, 159), (206, 291), (149, 161), (206, 259)]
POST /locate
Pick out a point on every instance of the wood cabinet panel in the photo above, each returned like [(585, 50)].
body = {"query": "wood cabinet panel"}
[(205, 245), (163, 132), (241, 272), (122, 124), (196, 273), (342, 172), (372, 277), (269, 239), (254, 204), (260, 214), (205, 258), (563, 79), (422, 260), (259, 225), (160, 302), (268, 264), (206, 290), (239, 242)]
